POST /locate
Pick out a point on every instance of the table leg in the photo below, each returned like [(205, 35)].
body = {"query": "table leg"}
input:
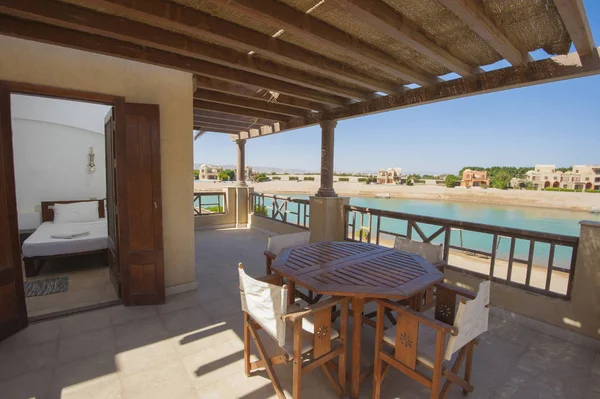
[(358, 306)]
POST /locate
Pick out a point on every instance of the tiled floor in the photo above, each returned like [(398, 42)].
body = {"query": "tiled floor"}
[(192, 348), (89, 284)]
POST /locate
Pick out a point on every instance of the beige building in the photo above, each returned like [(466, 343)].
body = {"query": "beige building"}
[(209, 172), (389, 176), (474, 178), (581, 177)]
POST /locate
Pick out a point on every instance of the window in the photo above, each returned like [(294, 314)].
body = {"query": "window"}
[(532, 177), (555, 178), (587, 179), (545, 177), (577, 171), (597, 179), (538, 170), (564, 186)]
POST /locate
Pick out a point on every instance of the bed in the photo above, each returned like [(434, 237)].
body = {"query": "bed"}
[(41, 246)]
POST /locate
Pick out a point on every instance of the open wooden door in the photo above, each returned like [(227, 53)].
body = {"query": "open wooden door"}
[(111, 201), (139, 214), (13, 313)]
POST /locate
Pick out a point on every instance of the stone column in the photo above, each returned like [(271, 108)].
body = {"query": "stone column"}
[(241, 162), (327, 144)]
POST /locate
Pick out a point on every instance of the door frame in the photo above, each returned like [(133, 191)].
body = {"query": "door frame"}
[(117, 102)]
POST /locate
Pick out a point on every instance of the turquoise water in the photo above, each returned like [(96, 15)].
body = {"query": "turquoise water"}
[(528, 218)]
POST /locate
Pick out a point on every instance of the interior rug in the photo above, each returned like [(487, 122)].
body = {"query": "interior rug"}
[(46, 286)]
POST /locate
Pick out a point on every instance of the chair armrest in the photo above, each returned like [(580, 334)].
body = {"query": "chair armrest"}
[(440, 265), (270, 255), (457, 290), (422, 318), (308, 310), (274, 279)]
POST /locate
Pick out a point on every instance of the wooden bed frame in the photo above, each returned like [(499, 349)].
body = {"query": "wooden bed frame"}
[(34, 264)]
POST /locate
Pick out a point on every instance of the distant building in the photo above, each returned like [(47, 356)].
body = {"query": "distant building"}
[(474, 178), (249, 173), (543, 176), (209, 172), (389, 176)]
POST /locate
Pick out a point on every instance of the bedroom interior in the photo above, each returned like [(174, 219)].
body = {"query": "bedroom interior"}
[(61, 186)]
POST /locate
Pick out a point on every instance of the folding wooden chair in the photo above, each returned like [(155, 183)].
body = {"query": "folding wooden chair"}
[(276, 243), (433, 254), (418, 340), (305, 335)]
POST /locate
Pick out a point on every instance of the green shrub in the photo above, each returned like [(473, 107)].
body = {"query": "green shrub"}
[(563, 190), (344, 179), (196, 175), (261, 210), (592, 191), (214, 209), (419, 181), (261, 178), (275, 178), (293, 178), (309, 178), (362, 179), (553, 189)]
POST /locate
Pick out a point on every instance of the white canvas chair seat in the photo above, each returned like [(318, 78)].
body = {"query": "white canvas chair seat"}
[(308, 336), (276, 243)]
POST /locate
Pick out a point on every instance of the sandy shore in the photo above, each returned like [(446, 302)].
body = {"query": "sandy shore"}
[(542, 199)]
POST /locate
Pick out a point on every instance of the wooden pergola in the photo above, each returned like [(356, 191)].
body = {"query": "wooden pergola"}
[(266, 66)]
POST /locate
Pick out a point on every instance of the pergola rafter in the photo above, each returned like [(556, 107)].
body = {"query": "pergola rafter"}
[(273, 66)]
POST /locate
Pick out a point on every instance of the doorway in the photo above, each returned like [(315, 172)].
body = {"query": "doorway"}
[(62, 153), (133, 203)]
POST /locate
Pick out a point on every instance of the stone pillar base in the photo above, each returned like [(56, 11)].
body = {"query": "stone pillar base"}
[(242, 205), (327, 218)]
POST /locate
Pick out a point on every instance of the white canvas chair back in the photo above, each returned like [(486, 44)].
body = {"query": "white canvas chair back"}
[(276, 243), (266, 304), (430, 252), (471, 320)]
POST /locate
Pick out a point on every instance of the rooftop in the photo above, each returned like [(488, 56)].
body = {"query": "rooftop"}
[(192, 347)]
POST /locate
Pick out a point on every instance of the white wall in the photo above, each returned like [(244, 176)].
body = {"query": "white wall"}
[(51, 141)]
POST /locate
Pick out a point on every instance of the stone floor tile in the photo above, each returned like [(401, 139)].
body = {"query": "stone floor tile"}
[(33, 385), (27, 359), (123, 314), (211, 336), (84, 345), (96, 390), (223, 307), (145, 357), (186, 320), (593, 388), (35, 333), (596, 366), (512, 332), (167, 381), (80, 375), (213, 293), (138, 333), (213, 364), (84, 322), (178, 302)]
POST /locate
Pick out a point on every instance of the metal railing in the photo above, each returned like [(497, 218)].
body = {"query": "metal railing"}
[(294, 211), (209, 203), (514, 255)]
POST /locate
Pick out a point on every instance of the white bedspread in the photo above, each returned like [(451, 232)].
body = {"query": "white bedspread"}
[(40, 243)]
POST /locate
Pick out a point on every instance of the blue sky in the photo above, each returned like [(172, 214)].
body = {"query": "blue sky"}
[(555, 123)]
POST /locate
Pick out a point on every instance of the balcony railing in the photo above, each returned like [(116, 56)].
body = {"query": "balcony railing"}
[(294, 211), (209, 203), (543, 263)]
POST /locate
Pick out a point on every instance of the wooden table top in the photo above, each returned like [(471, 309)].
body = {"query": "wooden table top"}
[(356, 269)]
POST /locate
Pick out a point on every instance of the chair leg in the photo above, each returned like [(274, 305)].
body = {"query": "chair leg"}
[(268, 365), (468, 366), (247, 344), (297, 363), (377, 368), (344, 338)]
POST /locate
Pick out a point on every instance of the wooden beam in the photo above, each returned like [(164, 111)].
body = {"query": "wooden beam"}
[(37, 31), (231, 109), (84, 20), (317, 32), (575, 19), (471, 13), (260, 105), (225, 124), (536, 72), (192, 22), (220, 116), (217, 131), (386, 20), (256, 92)]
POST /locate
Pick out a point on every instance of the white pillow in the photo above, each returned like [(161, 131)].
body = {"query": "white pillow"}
[(76, 212)]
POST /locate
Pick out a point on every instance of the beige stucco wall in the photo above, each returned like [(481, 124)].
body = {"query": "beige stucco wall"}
[(37, 63), (216, 221), (273, 226)]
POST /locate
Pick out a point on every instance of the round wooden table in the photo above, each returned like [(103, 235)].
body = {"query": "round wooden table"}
[(357, 270)]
